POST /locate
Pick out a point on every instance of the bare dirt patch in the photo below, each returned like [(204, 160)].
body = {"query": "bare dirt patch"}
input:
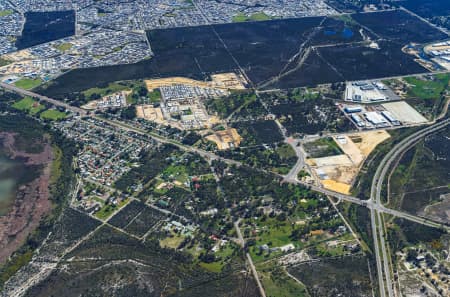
[(150, 113), (226, 81), (337, 173), (225, 139), (368, 141)]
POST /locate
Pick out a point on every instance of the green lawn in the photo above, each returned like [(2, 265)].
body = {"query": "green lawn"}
[(223, 256), (178, 173), (64, 46), (273, 232), (286, 151), (111, 88), (28, 83), (428, 89), (29, 105), (107, 210), (240, 18), (118, 48), (6, 12), (155, 96), (213, 266), (260, 16), (53, 115)]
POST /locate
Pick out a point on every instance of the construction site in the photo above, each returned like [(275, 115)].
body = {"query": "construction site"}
[(439, 53), (337, 169), (225, 139), (223, 81), (182, 98)]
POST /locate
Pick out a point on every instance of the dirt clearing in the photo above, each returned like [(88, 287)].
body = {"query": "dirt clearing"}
[(226, 81), (337, 173)]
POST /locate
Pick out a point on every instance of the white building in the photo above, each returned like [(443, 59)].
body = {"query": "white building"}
[(375, 118), (363, 92)]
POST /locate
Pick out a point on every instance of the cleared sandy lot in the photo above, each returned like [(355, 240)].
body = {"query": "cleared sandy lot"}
[(349, 148), (338, 173), (230, 81), (19, 56), (225, 139), (150, 113), (226, 81), (330, 161), (366, 142), (170, 81)]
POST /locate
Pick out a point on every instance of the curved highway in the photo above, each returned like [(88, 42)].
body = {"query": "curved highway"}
[(381, 254)]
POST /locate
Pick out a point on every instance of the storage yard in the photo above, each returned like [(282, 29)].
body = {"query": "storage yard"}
[(338, 172)]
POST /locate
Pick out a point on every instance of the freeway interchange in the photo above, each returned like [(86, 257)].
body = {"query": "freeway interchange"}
[(374, 203)]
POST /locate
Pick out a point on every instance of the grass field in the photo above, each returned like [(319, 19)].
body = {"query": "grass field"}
[(428, 89), (6, 12), (64, 46), (272, 232), (28, 83), (178, 173), (223, 255), (29, 105), (155, 96), (276, 282), (323, 147), (107, 210), (276, 232), (53, 115), (260, 16), (286, 151), (171, 242), (109, 89)]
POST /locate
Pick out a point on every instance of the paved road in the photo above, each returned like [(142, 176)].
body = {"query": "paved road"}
[(295, 143), (381, 253), (249, 259), (55, 102)]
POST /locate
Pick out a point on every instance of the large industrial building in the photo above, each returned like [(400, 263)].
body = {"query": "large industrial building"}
[(366, 92)]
